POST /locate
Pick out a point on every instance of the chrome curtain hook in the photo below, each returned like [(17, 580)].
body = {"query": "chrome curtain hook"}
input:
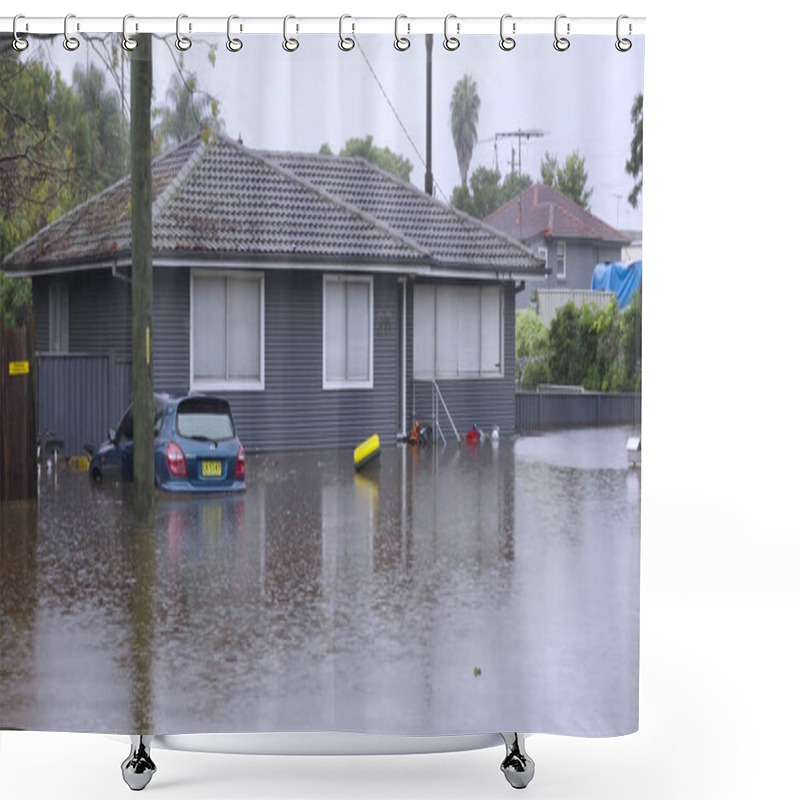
[(19, 43), (70, 42), (345, 43), (400, 42), (561, 43), (507, 42), (289, 45), (127, 43), (183, 43), (234, 45), (623, 45), (451, 42)]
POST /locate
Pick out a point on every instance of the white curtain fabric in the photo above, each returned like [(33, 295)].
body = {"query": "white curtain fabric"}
[(465, 585)]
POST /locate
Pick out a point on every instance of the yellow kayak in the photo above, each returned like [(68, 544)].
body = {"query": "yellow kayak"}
[(366, 451)]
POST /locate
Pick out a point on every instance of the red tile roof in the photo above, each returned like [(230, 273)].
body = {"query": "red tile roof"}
[(543, 211)]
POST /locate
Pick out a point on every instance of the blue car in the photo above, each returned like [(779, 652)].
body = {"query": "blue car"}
[(196, 447)]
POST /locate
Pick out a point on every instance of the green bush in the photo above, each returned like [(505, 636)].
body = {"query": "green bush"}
[(599, 349), (15, 300)]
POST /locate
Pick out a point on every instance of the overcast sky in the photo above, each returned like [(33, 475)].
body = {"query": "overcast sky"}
[(581, 99)]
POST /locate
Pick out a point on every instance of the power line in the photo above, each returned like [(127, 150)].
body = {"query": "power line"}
[(397, 116)]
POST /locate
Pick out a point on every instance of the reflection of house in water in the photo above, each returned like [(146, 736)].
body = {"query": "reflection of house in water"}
[(418, 507)]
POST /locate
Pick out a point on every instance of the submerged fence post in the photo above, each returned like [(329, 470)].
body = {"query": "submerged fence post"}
[(17, 412)]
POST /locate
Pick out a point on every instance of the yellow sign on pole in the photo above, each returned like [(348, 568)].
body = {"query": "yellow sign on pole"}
[(19, 367)]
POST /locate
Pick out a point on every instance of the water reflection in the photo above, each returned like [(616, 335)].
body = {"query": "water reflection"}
[(450, 590)]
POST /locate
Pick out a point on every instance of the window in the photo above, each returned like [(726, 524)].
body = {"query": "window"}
[(458, 331), (561, 259), (347, 332), (59, 317), (227, 338)]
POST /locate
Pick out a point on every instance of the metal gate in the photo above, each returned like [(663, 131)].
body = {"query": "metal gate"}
[(80, 397)]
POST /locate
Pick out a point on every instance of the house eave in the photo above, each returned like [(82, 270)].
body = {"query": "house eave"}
[(66, 267), (415, 269)]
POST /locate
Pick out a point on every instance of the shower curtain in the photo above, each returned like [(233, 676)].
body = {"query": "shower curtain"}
[(336, 275)]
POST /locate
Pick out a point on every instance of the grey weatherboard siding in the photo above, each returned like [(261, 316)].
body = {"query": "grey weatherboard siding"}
[(293, 410)]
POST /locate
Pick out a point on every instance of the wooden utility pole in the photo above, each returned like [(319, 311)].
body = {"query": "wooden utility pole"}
[(142, 279), (428, 89)]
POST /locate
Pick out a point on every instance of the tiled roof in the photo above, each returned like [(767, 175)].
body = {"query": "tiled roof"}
[(222, 199), (542, 211)]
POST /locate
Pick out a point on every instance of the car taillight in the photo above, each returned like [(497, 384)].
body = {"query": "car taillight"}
[(239, 474), (176, 461)]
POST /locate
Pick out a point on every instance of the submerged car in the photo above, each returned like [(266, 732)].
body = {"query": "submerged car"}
[(197, 448)]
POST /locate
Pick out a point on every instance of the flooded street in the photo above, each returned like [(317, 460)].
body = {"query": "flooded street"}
[(464, 590)]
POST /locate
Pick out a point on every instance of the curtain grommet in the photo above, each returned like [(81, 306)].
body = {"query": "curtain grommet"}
[(183, 43), (127, 42), (289, 44), (233, 44), (401, 43), (19, 44), (507, 43), (623, 45), (561, 43), (71, 43), (451, 43)]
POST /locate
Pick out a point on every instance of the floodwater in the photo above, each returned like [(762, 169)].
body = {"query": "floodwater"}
[(465, 589)]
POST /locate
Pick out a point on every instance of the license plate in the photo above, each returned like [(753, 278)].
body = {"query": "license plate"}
[(211, 469)]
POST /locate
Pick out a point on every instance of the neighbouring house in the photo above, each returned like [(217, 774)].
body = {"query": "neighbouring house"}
[(320, 295), (570, 239)]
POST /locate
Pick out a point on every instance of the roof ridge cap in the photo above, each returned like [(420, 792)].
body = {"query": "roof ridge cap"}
[(181, 176), (515, 199), (266, 158), (462, 216)]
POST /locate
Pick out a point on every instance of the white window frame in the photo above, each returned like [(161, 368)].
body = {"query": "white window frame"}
[(58, 323), (335, 385), (480, 374), (217, 385), (561, 244)]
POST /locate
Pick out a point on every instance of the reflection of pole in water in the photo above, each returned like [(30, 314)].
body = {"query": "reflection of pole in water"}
[(142, 655)]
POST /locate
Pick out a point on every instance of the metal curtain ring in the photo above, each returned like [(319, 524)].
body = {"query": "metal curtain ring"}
[(451, 42), (127, 43), (506, 42), (289, 45), (561, 43), (19, 43), (400, 42), (345, 43), (623, 45), (70, 42), (234, 45), (183, 43)]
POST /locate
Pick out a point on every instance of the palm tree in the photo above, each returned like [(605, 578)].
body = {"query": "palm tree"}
[(188, 111), (464, 107)]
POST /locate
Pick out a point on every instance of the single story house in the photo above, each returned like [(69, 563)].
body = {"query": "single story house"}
[(320, 295), (570, 239)]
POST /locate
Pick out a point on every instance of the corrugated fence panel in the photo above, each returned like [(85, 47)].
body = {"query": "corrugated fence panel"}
[(73, 400), (542, 410), (550, 300)]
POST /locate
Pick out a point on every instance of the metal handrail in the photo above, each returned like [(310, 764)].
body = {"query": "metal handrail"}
[(438, 395)]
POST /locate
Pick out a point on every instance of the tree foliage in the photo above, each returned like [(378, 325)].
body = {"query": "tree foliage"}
[(486, 192), (599, 349), (59, 144), (465, 105), (188, 110), (633, 166), (382, 157), (15, 300), (569, 179)]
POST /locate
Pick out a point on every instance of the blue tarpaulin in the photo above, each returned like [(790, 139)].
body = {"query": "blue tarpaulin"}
[(624, 279)]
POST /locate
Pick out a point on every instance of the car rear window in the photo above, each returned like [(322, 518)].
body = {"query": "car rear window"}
[(204, 418)]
